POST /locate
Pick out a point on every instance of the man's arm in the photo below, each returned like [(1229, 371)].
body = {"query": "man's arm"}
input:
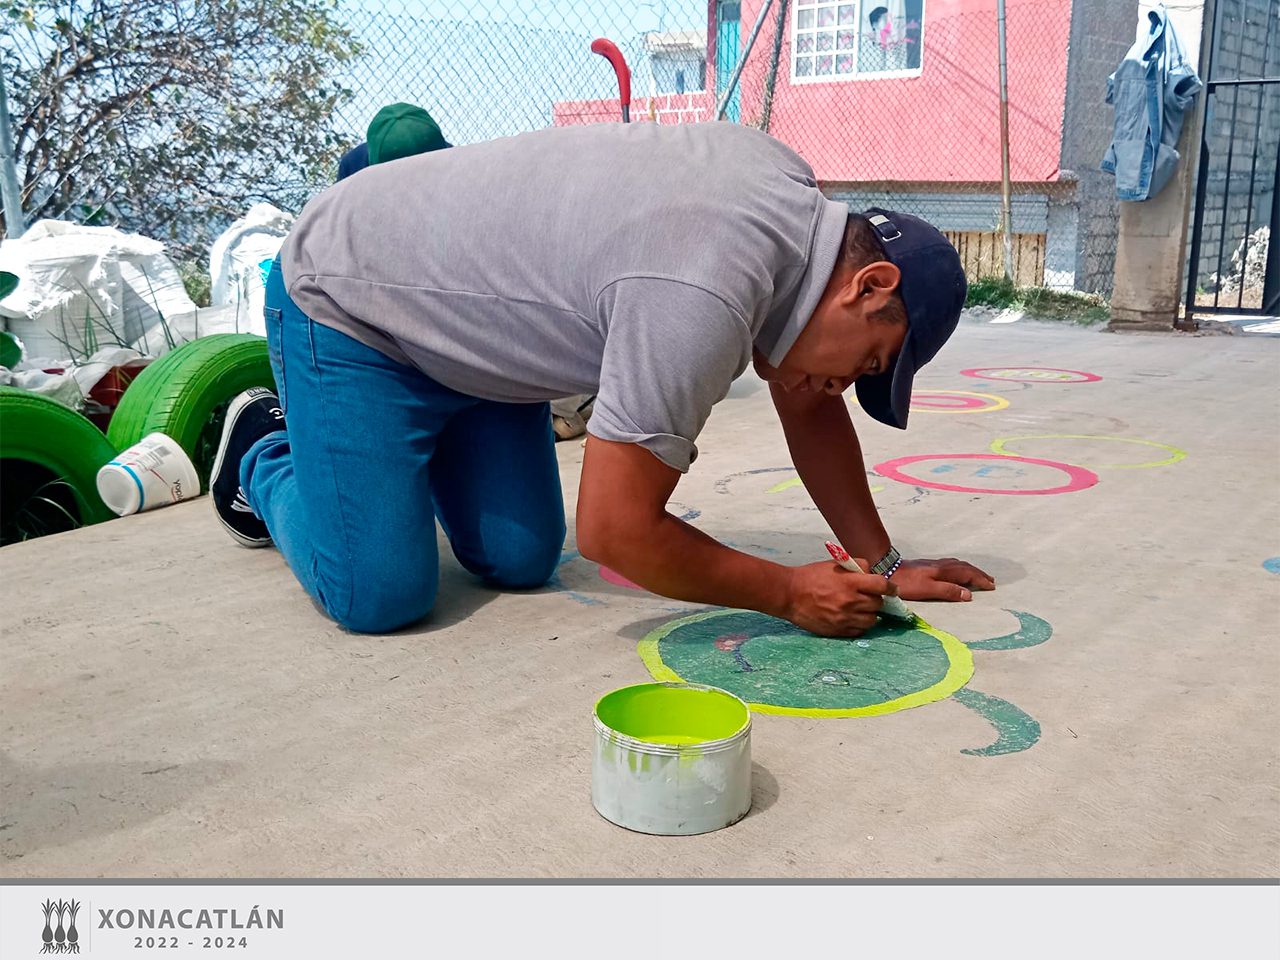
[(827, 455), (825, 450), (622, 522)]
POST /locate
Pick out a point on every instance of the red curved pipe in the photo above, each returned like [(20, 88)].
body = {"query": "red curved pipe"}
[(609, 50)]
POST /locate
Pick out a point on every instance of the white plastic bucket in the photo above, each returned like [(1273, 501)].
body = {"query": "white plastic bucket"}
[(154, 472), (671, 758)]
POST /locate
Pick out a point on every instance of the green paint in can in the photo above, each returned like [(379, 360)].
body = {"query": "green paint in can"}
[(671, 758)]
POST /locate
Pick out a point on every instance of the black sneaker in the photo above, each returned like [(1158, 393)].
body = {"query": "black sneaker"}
[(250, 417)]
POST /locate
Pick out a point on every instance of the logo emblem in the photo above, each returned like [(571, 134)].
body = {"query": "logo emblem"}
[(63, 938)]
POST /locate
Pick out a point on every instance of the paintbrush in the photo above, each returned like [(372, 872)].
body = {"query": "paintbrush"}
[(890, 606)]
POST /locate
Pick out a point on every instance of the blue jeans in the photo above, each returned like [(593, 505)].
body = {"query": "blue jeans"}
[(373, 453)]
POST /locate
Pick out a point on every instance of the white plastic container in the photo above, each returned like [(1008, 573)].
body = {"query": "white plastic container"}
[(154, 472), (671, 758)]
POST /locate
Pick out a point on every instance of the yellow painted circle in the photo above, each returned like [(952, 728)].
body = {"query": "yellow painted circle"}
[(1001, 446), (959, 672), (994, 402), (797, 482)]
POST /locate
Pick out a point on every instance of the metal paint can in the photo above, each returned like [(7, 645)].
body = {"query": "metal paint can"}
[(671, 758)]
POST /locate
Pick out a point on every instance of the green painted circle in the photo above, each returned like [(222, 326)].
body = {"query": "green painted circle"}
[(778, 668)]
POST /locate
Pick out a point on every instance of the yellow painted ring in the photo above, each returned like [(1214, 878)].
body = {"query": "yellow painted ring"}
[(1001, 446), (959, 672), (997, 402), (797, 482)]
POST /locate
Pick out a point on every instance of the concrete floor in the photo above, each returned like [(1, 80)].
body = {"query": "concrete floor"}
[(172, 705)]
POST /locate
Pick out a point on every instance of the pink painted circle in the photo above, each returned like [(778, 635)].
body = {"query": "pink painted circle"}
[(617, 579), (945, 401), (1078, 477), (1031, 374)]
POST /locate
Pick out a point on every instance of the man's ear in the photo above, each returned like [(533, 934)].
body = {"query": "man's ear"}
[(875, 283), (876, 280)]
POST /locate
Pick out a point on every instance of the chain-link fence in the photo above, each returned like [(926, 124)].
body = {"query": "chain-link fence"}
[(896, 103), (190, 111), (497, 67)]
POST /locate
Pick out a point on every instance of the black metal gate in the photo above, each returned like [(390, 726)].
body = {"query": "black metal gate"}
[(1234, 255)]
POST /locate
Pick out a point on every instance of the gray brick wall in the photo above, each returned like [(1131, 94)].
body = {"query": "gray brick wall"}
[(1101, 32), (1242, 129)]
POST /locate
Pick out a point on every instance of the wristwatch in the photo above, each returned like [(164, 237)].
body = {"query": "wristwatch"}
[(888, 565)]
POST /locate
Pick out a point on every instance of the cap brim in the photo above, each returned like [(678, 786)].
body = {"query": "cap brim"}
[(887, 396)]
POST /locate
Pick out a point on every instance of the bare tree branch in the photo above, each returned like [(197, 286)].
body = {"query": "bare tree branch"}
[(169, 116)]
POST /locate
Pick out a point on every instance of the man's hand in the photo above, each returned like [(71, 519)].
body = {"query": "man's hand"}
[(944, 579), (830, 601)]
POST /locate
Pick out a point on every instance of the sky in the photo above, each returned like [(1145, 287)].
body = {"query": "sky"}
[(590, 16), (494, 67)]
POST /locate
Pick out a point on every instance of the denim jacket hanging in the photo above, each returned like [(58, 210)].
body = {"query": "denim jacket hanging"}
[(1151, 90)]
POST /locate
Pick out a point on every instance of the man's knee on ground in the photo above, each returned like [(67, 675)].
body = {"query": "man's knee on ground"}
[(526, 561), (383, 606)]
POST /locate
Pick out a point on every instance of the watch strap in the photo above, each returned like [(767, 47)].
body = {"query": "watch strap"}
[(888, 565)]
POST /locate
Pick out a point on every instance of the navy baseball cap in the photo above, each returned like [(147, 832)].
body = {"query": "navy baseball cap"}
[(933, 289)]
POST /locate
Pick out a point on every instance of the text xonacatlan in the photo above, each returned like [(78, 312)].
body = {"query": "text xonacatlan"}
[(164, 920)]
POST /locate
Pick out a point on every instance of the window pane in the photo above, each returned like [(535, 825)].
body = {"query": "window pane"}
[(914, 32), (836, 39)]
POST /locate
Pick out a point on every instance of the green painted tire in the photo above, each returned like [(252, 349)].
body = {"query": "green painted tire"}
[(10, 352), (184, 394), (41, 431)]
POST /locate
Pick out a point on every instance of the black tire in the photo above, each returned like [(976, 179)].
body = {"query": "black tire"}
[(185, 393), (37, 430)]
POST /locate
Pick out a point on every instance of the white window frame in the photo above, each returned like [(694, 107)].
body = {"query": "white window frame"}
[(863, 6)]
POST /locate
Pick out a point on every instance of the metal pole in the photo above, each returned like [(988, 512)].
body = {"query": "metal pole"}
[(1006, 189), (1199, 123), (1226, 193), (766, 111), (1197, 223), (15, 225), (1271, 276), (742, 62), (1253, 170)]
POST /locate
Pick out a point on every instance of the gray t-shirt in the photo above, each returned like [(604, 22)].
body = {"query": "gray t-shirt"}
[(639, 262)]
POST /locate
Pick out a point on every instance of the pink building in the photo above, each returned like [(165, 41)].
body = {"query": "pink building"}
[(897, 102)]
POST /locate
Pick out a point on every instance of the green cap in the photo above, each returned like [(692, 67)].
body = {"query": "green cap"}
[(8, 283), (402, 130)]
